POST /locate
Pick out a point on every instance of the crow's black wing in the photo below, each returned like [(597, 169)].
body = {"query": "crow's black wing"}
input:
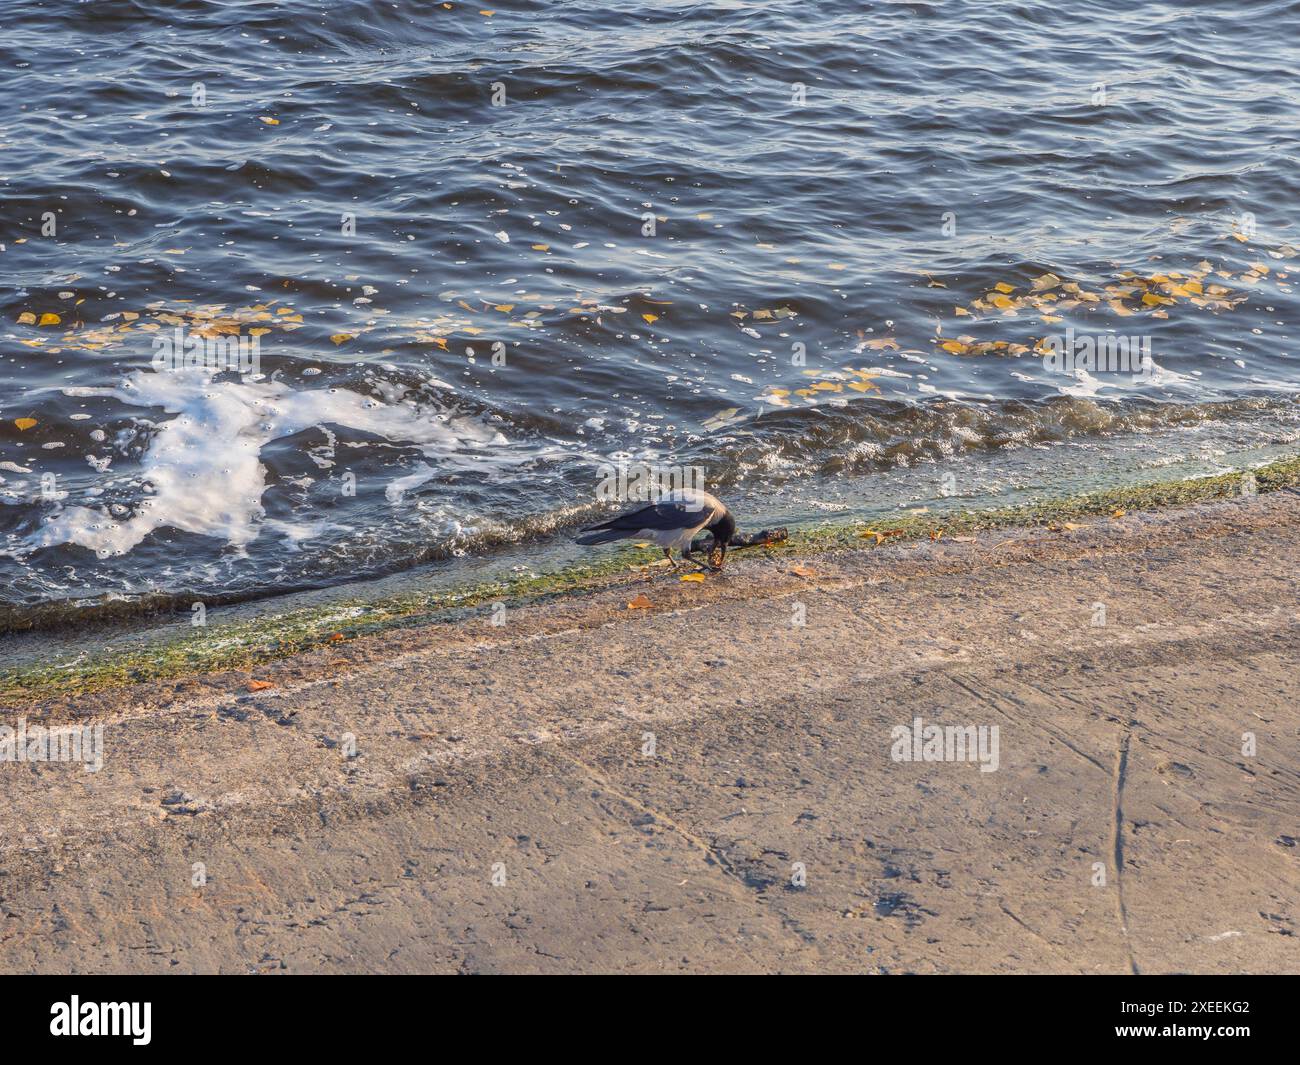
[(660, 516)]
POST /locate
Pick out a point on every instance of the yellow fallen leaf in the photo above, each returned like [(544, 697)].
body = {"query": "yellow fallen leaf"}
[(259, 685), (50, 319), (269, 121), (651, 318), (1002, 286), (961, 312), (691, 577), (640, 603), (803, 571), (27, 318), (955, 347), (258, 332), (541, 247), (505, 308), (24, 423), (1117, 513), (340, 338)]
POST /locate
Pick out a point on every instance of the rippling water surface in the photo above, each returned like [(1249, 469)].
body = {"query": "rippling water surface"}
[(808, 248)]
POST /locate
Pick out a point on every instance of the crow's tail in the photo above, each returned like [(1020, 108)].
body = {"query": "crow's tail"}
[(601, 536)]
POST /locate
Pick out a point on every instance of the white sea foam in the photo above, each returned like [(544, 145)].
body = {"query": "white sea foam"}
[(396, 489), (202, 469)]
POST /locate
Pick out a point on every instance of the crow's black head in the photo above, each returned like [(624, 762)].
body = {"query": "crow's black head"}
[(722, 531)]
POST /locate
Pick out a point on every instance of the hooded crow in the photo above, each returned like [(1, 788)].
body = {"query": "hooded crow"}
[(674, 521)]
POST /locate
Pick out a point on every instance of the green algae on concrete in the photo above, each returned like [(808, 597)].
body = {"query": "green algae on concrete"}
[(243, 644)]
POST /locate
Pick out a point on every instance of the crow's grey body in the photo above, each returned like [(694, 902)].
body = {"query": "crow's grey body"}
[(673, 522)]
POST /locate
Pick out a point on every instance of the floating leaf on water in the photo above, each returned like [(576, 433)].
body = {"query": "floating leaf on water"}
[(269, 121), (50, 319), (24, 423), (340, 338), (723, 417)]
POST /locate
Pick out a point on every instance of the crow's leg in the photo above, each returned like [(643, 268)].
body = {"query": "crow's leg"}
[(668, 554), (688, 555)]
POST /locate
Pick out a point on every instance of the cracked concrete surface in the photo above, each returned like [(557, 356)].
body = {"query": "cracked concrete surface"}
[(501, 814)]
